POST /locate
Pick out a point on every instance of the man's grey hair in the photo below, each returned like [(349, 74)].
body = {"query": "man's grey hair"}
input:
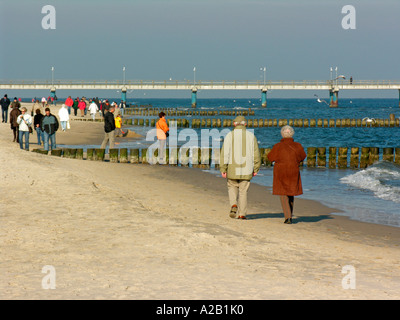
[(287, 132)]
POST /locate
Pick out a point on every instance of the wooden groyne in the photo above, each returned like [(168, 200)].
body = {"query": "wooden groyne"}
[(178, 112), (259, 123), (332, 157)]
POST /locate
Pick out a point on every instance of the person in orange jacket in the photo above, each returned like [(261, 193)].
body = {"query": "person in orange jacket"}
[(162, 134)]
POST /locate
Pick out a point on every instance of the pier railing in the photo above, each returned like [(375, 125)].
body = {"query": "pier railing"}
[(200, 84)]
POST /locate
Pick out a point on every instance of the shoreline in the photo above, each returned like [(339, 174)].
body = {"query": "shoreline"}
[(126, 231)]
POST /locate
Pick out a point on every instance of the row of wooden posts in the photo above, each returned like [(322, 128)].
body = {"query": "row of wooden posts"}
[(258, 123), (176, 112), (207, 157)]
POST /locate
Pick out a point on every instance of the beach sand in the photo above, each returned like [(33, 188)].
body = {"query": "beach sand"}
[(126, 231)]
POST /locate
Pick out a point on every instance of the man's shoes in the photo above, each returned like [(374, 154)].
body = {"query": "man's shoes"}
[(233, 212), (288, 221), (242, 217)]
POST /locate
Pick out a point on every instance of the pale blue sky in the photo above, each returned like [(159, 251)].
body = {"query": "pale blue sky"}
[(224, 39)]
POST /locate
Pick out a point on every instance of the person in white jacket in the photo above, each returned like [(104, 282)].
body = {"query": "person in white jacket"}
[(64, 117), (93, 108), (24, 121)]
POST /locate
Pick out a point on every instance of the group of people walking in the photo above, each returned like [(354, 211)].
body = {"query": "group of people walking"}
[(93, 106), (21, 122)]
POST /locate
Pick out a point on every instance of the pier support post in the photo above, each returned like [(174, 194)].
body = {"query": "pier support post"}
[(194, 97), (334, 95), (123, 95), (264, 98)]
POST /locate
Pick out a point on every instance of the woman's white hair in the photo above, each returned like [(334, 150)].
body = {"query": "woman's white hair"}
[(287, 132)]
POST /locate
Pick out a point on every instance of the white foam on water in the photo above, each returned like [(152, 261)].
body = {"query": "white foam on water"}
[(383, 179)]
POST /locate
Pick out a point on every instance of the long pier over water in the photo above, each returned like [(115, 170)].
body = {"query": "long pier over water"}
[(333, 86)]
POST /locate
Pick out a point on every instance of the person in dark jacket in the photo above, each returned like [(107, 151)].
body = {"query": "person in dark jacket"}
[(75, 106), (4, 102), (109, 128), (49, 126), (37, 120)]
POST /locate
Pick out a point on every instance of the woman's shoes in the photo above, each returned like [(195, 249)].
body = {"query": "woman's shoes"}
[(288, 221)]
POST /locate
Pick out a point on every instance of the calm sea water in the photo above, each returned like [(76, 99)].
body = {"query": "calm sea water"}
[(371, 195)]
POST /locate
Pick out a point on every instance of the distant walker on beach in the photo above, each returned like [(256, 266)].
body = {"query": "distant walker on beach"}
[(162, 134), (240, 162), (109, 128)]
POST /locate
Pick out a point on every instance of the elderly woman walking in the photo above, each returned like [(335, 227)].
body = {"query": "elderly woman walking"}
[(287, 156)]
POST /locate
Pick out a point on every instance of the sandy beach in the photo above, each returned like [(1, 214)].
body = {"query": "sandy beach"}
[(126, 231)]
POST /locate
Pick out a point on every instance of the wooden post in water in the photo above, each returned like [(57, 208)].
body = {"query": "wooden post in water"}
[(332, 157), (143, 157), (388, 154), (173, 156), (216, 157), (204, 158), (397, 156), (373, 155), (134, 156), (99, 154), (183, 155), (90, 154), (67, 152), (113, 154), (72, 153), (342, 158), (123, 155), (354, 157), (41, 151), (321, 158), (266, 161), (311, 156), (392, 120), (364, 159), (301, 123), (56, 152), (79, 154)]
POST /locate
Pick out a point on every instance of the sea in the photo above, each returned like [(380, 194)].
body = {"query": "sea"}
[(370, 195)]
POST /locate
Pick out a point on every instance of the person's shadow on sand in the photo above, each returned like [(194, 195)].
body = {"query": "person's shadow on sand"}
[(296, 219)]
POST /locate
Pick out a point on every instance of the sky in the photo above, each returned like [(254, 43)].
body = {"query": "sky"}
[(224, 40)]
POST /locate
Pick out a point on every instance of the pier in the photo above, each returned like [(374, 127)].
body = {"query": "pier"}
[(334, 87)]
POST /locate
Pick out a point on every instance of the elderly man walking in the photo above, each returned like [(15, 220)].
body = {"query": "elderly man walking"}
[(240, 162)]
